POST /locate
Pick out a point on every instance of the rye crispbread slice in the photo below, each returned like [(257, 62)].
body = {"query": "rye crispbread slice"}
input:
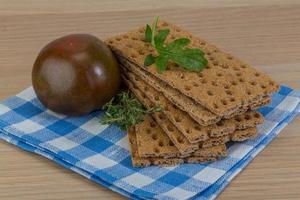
[(201, 156), (241, 135), (222, 127), (196, 111), (182, 121), (187, 125), (153, 141), (223, 78), (265, 101)]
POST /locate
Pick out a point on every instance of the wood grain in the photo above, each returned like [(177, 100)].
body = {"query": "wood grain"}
[(263, 33)]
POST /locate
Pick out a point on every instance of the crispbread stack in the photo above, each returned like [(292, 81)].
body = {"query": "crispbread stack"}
[(201, 111)]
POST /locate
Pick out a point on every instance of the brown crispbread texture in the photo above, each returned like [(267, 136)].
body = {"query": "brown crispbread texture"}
[(215, 141), (153, 141), (158, 98), (217, 150), (164, 116), (196, 111), (242, 135), (236, 136), (138, 161), (225, 86), (265, 101), (209, 153), (187, 126), (181, 142), (248, 120), (166, 127)]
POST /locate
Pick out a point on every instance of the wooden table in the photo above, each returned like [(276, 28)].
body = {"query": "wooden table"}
[(263, 33)]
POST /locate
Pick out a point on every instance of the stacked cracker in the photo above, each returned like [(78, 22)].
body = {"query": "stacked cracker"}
[(202, 111)]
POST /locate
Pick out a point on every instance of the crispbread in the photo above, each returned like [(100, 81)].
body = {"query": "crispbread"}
[(171, 132), (189, 127), (153, 141), (183, 122), (138, 161), (242, 135), (224, 77), (178, 139), (181, 141), (263, 102), (196, 111), (248, 120)]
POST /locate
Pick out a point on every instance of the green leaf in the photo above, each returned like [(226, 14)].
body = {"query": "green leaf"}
[(148, 34), (160, 38), (161, 63), (194, 52), (191, 59), (154, 27), (149, 60), (178, 43), (190, 63)]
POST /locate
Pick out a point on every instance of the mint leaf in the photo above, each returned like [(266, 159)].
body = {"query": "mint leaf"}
[(154, 26), (191, 59), (161, 63), (178, 43), (148, 34), (160, 38), (194, 52), (188, 61), (149, 60)]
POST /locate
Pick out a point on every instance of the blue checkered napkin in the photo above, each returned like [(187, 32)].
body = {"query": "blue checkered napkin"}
[(101, 153)]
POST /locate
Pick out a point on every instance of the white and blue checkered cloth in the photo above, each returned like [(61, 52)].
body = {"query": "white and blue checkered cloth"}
[(101, 153)]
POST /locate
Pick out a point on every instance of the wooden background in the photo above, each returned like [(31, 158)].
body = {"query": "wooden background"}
[(263, 33)]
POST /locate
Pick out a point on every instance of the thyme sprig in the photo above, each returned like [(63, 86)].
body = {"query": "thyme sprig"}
[(124, 110)]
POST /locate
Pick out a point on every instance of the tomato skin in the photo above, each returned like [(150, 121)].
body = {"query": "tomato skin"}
[(75, 74)]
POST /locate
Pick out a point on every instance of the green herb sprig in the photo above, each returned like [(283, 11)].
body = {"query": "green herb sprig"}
[(125, 111), (191, 59)]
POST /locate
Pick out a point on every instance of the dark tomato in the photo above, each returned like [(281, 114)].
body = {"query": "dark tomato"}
[(75, 74)]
